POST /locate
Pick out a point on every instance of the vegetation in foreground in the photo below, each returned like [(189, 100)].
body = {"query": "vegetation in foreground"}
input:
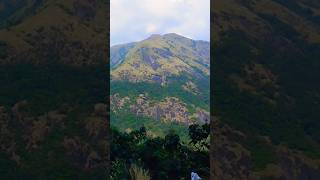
[(160, 157)]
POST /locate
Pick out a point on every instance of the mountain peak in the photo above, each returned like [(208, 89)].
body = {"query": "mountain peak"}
[(174, 35), (168, 35), (158, 57), (155, 36)]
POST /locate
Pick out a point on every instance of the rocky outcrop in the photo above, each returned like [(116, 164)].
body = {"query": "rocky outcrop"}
[(117, 102), (203, 116), (87, 149), (170, 109), (190, 87), (7, 142), (37, 133), (231, 159)]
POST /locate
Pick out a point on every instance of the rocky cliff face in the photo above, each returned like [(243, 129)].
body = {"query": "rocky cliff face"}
[(168, 110)]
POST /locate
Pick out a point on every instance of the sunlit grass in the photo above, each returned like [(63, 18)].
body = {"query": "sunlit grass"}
[(137, 173)]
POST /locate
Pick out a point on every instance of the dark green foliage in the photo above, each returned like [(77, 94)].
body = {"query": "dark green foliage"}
[(124, 120), (262, 153), (46, 88), (3, 50), (158, 92), (292, 119), (119, 170), (305, 12), (281, 29), (164, 158), (199, 134), (172, 142), (8, 169)]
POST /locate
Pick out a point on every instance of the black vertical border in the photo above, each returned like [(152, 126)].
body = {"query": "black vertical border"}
[(108, 164), (211, 151)]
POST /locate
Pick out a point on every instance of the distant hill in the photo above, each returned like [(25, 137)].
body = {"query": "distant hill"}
[(266, 97), (13, 12), (36, 37), (53, 59)]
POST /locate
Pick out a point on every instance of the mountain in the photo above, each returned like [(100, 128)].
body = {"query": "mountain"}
[(14, 11), (160, 80), (266, 92), (53, 55), (34, 36), (159, 57), (118, 53), (159, 107)]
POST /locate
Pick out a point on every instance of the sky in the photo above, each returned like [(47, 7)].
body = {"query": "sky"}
[(135, 20)]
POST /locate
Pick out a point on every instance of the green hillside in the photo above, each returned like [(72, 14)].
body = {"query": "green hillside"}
[(266, 73), (159, 81), (160, 107), (53, 102)]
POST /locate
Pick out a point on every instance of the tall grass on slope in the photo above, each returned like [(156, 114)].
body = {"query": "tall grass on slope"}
[(138, 173)]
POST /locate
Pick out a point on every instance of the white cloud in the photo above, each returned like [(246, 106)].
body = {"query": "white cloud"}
[(133, 20), (151, 28)]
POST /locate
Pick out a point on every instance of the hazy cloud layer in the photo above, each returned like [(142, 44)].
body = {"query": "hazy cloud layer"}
[(133, 20)]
